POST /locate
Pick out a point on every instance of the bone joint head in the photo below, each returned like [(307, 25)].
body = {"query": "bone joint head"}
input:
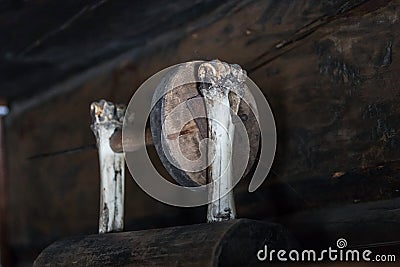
[(226, 77), (104, 112)]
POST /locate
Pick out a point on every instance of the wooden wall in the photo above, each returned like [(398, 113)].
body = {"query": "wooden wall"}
[(329, 70)]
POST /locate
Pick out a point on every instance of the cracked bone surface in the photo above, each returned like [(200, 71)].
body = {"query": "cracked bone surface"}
[(108, 117), (220, 79)]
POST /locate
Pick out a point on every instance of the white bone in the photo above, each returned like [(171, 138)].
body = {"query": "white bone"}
[(106, 118), (222, 78)]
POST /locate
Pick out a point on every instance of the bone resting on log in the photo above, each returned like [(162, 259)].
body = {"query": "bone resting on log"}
[(230, 243), (221, 79), (108, 117)]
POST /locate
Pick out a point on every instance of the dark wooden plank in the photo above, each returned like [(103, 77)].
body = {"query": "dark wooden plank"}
[(372, 224), (232, 243), (355, 186), (70, 36)]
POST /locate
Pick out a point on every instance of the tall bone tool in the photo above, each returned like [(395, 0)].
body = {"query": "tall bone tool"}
[(180, 121), (107, 118), (223, 87)]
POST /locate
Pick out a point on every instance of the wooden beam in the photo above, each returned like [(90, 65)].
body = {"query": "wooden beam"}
[(230, 243)]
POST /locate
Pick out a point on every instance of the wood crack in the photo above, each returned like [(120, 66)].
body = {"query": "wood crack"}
[(305, 31), (62, 27)]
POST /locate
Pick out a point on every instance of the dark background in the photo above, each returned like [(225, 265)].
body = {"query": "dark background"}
[(329, 69)]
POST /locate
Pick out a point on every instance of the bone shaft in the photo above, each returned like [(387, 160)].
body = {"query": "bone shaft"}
[(220, 123), (112, 167), (112, 173)]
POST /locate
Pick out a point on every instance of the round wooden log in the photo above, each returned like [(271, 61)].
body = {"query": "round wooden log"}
[(231, 243), (194, 131)]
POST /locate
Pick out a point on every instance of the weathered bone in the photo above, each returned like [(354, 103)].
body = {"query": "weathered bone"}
[(222, 79), (108, 117)]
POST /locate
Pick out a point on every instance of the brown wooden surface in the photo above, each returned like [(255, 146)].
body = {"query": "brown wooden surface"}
[(360, 224), (232, 243), (194, 131)]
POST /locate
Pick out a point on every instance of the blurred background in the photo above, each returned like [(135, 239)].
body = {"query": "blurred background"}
[(329, 69)]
